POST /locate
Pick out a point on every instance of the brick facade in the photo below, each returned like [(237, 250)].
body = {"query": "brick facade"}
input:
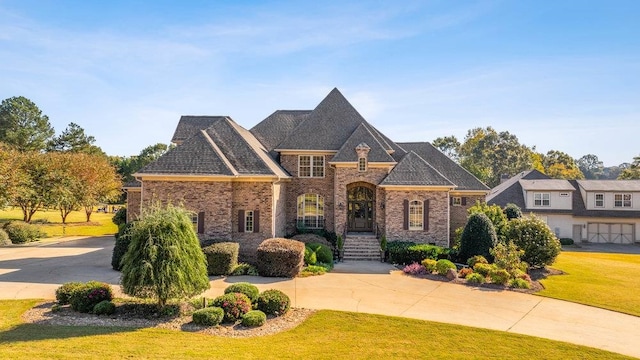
[(458, 214), (134, 197), (251, 196), (438, 232)]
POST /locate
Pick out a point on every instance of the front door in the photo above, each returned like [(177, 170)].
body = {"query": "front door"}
[(360, 208)]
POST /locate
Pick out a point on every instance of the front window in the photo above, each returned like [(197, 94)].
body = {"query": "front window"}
[(311, 166), (541, 199), (310, 211), (599, 200), (248, 221), (622, 200), (416, 215), (456, 201), (362, 164)]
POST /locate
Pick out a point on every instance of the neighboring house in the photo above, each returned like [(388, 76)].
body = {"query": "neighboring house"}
[(600, 211), (326, 168)]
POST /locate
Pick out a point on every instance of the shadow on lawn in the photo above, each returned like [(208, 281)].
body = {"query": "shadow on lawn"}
[(36, 332)]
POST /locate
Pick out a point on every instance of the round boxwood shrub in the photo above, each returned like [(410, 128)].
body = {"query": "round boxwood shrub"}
[(273, 302), (519, 283), (209, 316), (499, 276), (234, 305), (478, 237), (483, 269), (443, 265), (4, 238), (324, 254), (104, 307), (246, 288), (88, 295), (20, 232), (63, 293), (512, 211), (531, 234), (566, 241), (429, 265), (254, 318), (120, 217), (476, 278), (477, 259), (279, 257)]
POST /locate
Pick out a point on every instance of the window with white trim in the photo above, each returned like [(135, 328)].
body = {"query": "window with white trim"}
[(310, 211), (622, 200), (456, 201), (311, 166), (362, 164), (599, 200), (194, 222), (416, 215), (248, 221), (541, 199)]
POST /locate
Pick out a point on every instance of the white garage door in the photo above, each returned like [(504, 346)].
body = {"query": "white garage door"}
[(610, 233)]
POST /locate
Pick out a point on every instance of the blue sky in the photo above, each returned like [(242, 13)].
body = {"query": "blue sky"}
[(561, 75)]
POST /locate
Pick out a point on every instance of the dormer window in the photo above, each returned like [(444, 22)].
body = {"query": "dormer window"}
[(541, 199), (362, 151), (362, 164)]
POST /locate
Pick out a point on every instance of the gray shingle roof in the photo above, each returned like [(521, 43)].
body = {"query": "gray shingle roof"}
[(413, 170), (546, 184), (362, 134), (463, 179), (610, 185), (510, 191), (579, 208), (189, 125), (277, 126), (327, 127)]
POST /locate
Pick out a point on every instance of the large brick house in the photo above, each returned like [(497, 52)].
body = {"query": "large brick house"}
[(323, 168)]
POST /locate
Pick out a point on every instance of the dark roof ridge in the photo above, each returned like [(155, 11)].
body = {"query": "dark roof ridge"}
[(431, 166)]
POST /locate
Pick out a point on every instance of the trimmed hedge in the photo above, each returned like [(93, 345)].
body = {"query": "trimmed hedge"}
[(278, 257), (273, 302), (254, 318), (222, 258), (408, 252), (324, 254), (120, 217), (63, 293), (88, 295), (246, 288), (566, 241), (20, 232), (104, 307), (478, 237), (210, 316)]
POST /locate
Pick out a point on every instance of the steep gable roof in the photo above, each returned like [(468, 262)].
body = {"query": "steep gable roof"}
[(189, 125), (362, 135), (463, 179), (277, 126), (510, 191), (413, 170)]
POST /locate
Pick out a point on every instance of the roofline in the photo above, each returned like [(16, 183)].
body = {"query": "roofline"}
[(369, 163), (215, 147), (204, 177), (470, 192), (301, 151), (418, 187)]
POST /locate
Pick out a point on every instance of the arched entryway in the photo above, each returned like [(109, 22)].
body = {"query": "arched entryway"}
[(361, 207)]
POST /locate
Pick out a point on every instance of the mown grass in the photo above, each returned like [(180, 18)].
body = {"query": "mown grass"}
[(50, 222), (325, 335), (604, 280)]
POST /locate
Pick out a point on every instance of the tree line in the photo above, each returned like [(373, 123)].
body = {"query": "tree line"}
[(489, 155)]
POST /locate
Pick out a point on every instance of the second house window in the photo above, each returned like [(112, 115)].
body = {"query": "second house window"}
[(311, 166)]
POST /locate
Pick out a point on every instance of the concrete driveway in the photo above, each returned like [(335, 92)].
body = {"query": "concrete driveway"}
[(369, 287)]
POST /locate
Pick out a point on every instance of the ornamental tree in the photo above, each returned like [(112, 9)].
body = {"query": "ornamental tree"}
[(478, 237), (533, 235)]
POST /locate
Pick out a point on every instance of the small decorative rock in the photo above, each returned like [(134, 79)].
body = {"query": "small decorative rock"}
[(452, 274)]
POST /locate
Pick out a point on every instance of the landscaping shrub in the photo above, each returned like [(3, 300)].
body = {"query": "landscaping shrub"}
[(313, 270), (324, 254), (123, 239), (477, 259), (254, 318), (512, 211), (4, 238), (443, 265), (464, 272), (507, 257), (398, 251), (499, 276), (222, 258), (494, 213), (278, 257), (415, 269), (478, 237), (234, 305), (120, 217), (63, 293), (566, 241), (531, 234), (310, 257), (104, 307), (519, 284), (86, 296), (429, 265), (164, 260), (476, 278), (20, 232), (273, 302), (244, 269), (244, 288), (483, 269), (209, 316)]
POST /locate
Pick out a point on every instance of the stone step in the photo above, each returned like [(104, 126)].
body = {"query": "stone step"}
[(361, 247)]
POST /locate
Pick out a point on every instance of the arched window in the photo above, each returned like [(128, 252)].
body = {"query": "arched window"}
[(416, 215), (310, 211)]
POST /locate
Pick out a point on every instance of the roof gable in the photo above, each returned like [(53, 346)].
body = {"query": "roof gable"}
[(413, 170), (277, 126), (362, 135), (189, 125)]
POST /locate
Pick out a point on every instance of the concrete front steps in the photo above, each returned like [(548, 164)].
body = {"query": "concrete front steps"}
[(361, 246)]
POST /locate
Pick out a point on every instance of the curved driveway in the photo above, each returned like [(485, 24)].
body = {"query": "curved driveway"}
[(370, 287)]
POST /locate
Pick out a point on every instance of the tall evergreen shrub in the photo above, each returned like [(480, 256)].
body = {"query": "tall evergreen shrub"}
[(478, 237)]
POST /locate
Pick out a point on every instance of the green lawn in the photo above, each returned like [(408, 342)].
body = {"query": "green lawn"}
[(325, 335), (50, 222), (603, 280)]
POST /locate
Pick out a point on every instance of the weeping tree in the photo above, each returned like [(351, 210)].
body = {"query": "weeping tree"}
[(164, 260)]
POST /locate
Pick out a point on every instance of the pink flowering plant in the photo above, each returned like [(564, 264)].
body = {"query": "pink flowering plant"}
[(234, 305), (86, 296), (415, 269)]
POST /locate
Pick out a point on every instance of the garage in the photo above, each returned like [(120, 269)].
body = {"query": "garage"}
[(610, 233)]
